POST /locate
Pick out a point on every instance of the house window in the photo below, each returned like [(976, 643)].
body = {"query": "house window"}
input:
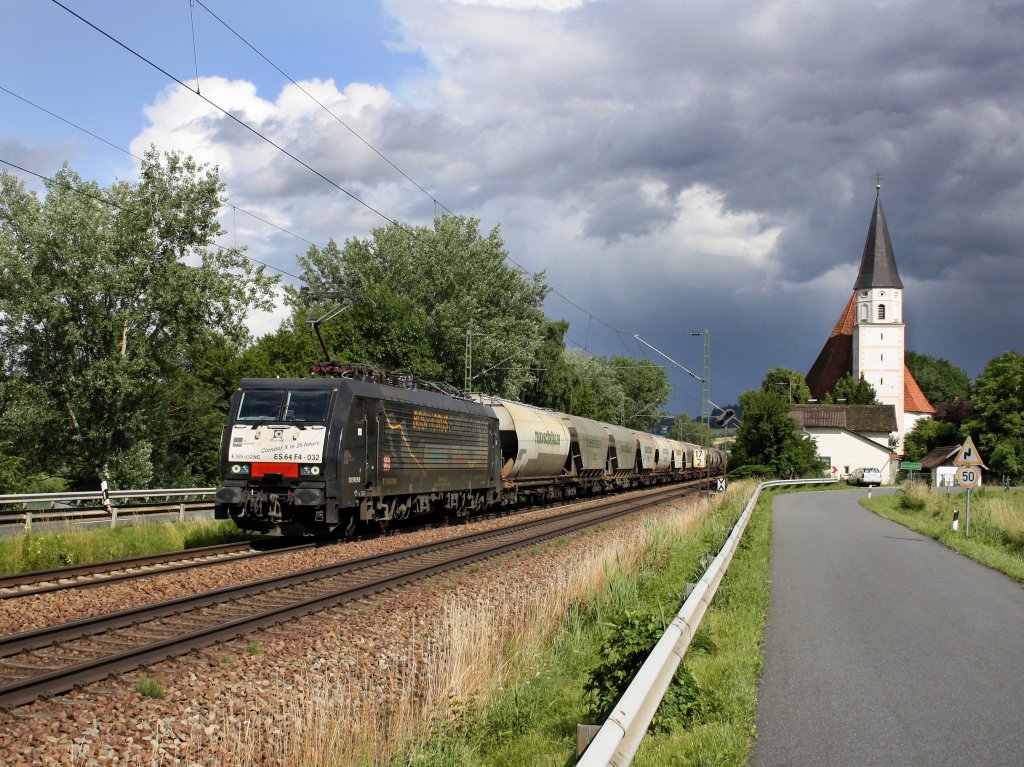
[(881, 311)]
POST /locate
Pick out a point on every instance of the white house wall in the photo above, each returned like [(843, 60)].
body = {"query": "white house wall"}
[(847, 451)]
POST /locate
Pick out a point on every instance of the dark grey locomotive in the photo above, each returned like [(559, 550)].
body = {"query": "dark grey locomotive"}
[(315, 455)]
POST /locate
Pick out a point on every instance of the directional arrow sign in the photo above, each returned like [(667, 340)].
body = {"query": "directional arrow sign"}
[(968, 455)]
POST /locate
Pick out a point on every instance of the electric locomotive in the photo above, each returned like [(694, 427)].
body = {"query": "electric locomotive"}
[(315, 455)]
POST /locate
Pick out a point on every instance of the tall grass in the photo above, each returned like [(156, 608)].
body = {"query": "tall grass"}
[(496, 676), (25, 551)]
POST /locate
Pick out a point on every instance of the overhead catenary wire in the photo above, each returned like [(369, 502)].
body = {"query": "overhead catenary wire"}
[(112, 204), (134, 156), (307, 166)]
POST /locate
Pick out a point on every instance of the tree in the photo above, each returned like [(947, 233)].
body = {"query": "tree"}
[(645, 389), (996, 421), (105, 292), (769, 437), (939, 379), (788, 385), (687, 429), (854, 393), (436, 299), (928, 435)]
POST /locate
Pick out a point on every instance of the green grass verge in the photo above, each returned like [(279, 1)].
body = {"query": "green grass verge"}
[(24, 552), (997, 523), (708, 714)]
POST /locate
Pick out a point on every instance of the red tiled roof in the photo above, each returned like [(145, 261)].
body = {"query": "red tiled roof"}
[(836, 357), (914, 400), (836, 360)]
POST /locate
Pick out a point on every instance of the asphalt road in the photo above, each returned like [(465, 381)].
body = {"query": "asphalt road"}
[(883, 647)]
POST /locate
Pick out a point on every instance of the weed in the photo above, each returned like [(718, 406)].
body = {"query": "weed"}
[(150, 688), (254, 648)]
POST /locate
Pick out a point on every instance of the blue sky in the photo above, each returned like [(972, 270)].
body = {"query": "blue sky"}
[(672, 166)]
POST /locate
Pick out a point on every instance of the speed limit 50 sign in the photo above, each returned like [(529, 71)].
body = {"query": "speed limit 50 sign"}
[(968, 476)]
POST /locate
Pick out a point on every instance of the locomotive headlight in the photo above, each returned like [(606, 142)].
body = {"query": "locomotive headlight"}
[(309, 471), (239, 468), (314, 470)]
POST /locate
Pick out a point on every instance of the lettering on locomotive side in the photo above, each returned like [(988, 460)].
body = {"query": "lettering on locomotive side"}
[(547, 438), (429, 421)]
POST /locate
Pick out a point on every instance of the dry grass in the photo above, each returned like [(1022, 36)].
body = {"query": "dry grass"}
[(487, 633)]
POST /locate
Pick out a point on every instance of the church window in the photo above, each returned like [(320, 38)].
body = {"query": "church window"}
[(864, 312), (881, 311)]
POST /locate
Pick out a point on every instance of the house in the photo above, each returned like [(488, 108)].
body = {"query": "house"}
[(940, 463), (851, 436)]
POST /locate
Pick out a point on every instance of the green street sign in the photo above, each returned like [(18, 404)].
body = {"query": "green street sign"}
[(910, 465)]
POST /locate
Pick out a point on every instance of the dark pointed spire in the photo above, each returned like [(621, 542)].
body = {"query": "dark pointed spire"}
[(878, 265)]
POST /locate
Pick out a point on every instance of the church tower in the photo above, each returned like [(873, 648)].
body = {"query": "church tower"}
[(878, 330), (868, 339)]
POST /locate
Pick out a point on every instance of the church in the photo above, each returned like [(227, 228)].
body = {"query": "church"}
[(868, 341)]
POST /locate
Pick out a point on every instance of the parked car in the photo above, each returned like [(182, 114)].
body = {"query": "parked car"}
[(865, 476)]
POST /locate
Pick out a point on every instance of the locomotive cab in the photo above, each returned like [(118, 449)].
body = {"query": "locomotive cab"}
[(276, 468)]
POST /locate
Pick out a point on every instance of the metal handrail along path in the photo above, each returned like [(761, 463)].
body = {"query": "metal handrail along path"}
[(617, 741)]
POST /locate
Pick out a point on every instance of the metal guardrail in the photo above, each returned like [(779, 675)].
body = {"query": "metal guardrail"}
[(103, 504), (617, 741)]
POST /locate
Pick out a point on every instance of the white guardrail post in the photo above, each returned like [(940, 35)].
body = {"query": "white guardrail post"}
[(617, 741)]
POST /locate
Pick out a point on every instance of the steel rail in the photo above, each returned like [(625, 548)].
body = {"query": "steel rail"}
[(101, 573), (413, 563)]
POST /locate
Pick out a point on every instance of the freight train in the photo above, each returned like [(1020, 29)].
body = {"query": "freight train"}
[(356, 447)]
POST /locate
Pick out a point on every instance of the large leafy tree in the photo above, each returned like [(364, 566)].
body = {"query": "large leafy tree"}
[(788, 385), (939, 379), (996, 421), (433, 300), (768, 437), (106, 294)]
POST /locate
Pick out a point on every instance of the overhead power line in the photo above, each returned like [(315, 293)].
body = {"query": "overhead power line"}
[(301, 162)]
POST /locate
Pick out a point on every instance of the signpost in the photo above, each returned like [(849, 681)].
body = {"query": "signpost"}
[(968, 475), (910, 465)]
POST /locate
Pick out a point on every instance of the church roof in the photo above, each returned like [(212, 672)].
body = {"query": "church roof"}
[(836, 357), (878, 265), (836, 360)]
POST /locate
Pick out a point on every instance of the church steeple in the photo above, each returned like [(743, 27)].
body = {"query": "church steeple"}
[(878, 265)]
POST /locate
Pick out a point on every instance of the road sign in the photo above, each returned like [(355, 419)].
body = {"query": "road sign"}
[(968, 455), (968, 476), (910, 465)]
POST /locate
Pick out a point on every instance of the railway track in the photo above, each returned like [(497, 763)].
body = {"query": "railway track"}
[(56, 659), (102, 573)]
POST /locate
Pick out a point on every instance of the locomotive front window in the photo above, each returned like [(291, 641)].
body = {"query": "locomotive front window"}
[(284, 406), (307, 406), (260, 405)]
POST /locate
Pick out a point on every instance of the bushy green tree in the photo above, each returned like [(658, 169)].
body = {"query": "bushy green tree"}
[(939, 379), (104, 294), (434, 298), (768, 436), (788, 385), (927, 435), (996, 421), (852, 392)]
